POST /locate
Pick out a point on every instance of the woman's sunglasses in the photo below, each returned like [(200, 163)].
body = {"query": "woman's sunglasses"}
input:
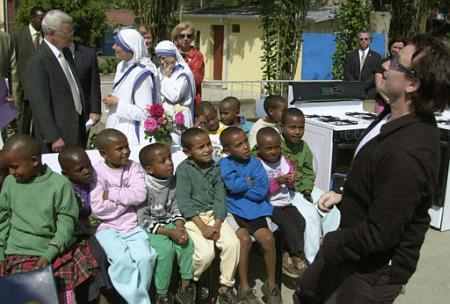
[(184, 36)]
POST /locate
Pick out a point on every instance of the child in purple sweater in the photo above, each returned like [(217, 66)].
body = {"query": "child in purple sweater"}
[(118, 189)]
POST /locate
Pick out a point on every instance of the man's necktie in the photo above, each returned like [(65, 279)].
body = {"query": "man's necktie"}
[(361, 64), (72, 83), (37, 40)]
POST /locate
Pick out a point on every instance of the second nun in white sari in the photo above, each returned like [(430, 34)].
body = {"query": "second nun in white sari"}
[(177, 83), (135, 87)]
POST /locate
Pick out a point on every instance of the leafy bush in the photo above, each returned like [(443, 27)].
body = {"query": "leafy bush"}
[(89, 19), (352, 17), (107, 65)]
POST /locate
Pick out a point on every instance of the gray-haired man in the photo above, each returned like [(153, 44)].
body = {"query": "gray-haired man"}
[(55, 93)]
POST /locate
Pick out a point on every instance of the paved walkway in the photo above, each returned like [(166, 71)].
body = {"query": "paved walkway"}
[(431, 282)]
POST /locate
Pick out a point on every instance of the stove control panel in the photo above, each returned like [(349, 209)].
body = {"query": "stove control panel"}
[(306, 91)]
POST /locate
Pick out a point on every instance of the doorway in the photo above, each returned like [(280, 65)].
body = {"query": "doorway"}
[(218, 34)]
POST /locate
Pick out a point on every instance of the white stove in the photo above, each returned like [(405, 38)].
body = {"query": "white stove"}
[(440, 211), (443, 120), (333, 129), (335, 120)]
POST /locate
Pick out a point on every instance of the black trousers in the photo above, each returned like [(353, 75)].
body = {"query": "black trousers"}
[(321, 280), (25, 118), (367, 288), (292, 226), (82, 136)]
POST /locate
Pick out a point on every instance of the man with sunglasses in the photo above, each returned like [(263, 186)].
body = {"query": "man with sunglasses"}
[(390, 186), (362, 64), (182, 36)]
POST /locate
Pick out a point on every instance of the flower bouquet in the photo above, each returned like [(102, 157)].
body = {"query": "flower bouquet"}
[(160, 124)]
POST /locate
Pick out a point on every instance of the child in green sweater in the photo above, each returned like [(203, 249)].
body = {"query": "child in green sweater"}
[(200, 194), (3, 169), (306, 196), (38, 212)]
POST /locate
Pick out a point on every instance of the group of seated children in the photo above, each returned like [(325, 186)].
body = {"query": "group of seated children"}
[(143, 215)]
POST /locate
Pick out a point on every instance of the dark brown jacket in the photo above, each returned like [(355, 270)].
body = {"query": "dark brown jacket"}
[(387, 195)]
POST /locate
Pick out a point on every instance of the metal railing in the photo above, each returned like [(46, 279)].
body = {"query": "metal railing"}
[(216, 90)]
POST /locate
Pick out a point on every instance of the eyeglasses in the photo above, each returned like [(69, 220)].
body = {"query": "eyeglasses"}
[(397, 66), (185, 36), (364, 39), (66, 34)]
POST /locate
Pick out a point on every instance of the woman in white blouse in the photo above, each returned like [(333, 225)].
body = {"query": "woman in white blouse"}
[(177, 83), (135, 87)]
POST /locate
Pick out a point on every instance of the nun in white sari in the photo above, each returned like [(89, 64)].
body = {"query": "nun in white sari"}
[(177, 84), (136, 86)]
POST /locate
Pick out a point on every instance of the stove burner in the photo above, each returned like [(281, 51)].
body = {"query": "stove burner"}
[(361, 115), (328, 118), (344, 122), (312, 116), (334, 120), (443, 121)]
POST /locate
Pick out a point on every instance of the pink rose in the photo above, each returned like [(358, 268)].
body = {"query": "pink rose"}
[(179, 118), (161, 121), (156, 110), (150, 125)]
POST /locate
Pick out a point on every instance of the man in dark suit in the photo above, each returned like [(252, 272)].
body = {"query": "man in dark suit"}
[(25, 41), (55, 93), (7, 56), (8, 71), (362, 64), (86, 68)]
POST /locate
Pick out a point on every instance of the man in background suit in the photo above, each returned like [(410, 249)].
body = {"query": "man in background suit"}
[(86, 68), (362, 64), (8, 70), (55, 93), (8, 66), (25, 41)]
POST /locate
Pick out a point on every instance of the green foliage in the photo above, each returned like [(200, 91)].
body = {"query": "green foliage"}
[(107, 65), (352, 17), (160, 15), (408, 17), (92, 145), (282, 23), (88, 16)]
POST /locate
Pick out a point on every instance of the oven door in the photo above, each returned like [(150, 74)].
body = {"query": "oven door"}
[(344, 146), (443, 168), (342, 157)]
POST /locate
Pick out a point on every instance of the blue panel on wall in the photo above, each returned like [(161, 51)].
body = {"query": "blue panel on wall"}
[(108, 42), (318, 50)]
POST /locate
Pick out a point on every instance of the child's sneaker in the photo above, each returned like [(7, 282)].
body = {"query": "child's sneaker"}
[(249, 297), (186, 296), (273, 296), (290, 269), (230, 297), (164, 298)]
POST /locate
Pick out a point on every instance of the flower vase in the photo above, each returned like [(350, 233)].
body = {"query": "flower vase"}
[(164, 139)]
